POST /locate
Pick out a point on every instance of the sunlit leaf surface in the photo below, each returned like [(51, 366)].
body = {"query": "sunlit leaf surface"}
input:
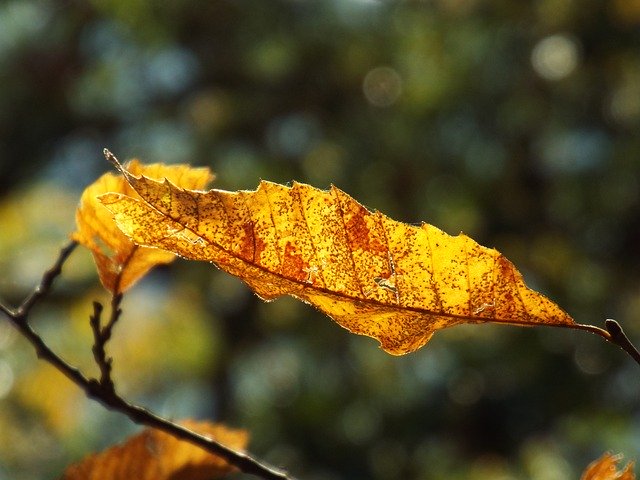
[(388, 280), (119, 261)]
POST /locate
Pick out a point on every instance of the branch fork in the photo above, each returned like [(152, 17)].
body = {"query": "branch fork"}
[(103, 389)]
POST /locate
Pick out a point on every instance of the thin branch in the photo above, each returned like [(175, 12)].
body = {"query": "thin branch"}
[(99, 353), (116, 311), (45, 283), (103, 390), (618, 337), (101, 335)]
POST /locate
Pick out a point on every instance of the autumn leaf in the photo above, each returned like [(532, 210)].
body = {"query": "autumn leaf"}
[(606, 468), (374, 276), (119, 261), (155, 455)]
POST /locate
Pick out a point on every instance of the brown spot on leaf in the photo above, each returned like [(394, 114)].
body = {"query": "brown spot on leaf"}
[(293, 265), (395, 282), (247, 247)]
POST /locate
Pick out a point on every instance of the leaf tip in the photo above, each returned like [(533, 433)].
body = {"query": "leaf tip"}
[(112, 158)]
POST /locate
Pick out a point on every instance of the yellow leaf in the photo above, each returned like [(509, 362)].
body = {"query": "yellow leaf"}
[(119, 261), (155, 455), (388, 280), (606, 468)]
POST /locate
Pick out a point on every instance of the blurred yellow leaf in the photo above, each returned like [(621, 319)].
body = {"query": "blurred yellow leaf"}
[(606, 468), (155, 455), (57, 401), (119, 261), (388, 280)]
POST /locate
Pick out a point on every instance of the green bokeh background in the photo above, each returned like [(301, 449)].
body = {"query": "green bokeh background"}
[(515, 122)]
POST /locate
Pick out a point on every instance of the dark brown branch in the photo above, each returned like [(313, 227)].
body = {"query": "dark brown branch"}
[(618, 337), (45, 284), (103, 390), (101, 335), (99, 353)]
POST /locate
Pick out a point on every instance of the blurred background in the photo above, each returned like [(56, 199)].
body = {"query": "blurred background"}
[(515, 122)]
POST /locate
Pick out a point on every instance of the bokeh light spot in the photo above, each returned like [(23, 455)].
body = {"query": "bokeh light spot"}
[(590, 360), (382, 86), (543, 462), (624, 104), (20, 23), (555, 57), (293, 134), (171, 70), (574, 151), (324, 164)]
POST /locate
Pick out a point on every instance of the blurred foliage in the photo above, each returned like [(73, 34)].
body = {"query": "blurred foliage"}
[(516, 122)]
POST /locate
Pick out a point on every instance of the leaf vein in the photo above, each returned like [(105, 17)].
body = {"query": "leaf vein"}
[(347, 243), (298, 199)]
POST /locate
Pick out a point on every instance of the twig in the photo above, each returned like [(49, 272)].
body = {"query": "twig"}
[(103, 390), (618, 337), (45, 284), (101, 335)]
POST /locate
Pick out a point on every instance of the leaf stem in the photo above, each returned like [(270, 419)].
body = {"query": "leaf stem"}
[(103, 390), (612, 333)]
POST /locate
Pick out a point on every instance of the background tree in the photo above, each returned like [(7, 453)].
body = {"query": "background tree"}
[(512, 122)]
